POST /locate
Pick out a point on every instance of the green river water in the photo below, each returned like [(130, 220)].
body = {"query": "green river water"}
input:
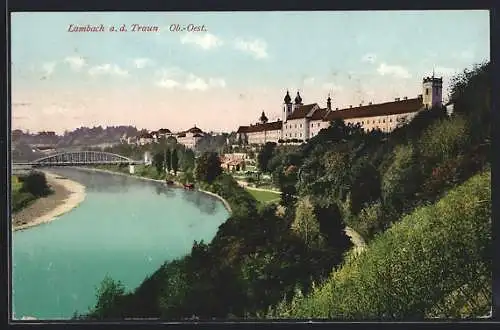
[(125, 228)]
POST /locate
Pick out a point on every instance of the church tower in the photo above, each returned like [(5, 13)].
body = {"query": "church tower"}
[(432, 92), (329, 103), (298, 101), (287, 107)]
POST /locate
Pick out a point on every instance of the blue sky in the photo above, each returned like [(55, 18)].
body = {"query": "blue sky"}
[(241, 65)]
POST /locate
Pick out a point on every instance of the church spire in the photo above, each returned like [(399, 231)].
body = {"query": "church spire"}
[(263, 118), (287, 99), (329, 102), (298, 99)]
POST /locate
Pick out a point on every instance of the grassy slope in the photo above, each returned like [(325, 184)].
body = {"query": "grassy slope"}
[(415, 268), (263, 196)]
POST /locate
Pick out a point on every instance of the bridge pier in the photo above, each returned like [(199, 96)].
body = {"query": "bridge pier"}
[(131, 168)]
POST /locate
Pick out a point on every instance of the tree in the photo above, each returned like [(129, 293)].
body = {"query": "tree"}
[(208, 167), (158, 162), (168, 160), (265, 155), (35, 183), (108, 296), (187, 160), (175, 161), (306, 225)]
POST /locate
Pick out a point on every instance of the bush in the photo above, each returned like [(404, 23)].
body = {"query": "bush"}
[(35, 183), (20, 200)]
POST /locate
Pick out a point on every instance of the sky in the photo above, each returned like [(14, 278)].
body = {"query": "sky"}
[(235, 66)]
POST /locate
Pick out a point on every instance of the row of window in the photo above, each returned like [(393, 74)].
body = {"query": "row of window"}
[(290, 135), (290, 126)]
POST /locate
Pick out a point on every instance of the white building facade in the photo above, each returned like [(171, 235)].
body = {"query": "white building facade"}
[(302, 122)]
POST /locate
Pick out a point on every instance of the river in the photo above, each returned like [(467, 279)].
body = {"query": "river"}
[(125, 228)]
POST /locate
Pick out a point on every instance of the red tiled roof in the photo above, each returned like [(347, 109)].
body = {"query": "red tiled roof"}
[(274, 126), (146, 136), (242, 129), (194, 130), (381, 109), (302, 111), (319, 114)]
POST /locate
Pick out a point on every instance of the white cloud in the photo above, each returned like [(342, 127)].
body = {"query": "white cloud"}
[(369, 58), (205, 40), (177, 78), (167, 83), (393, 70), (49, 68), (217, 82), (75, 62), (309, 81), (111, 69), (256, 47), (142, 62)]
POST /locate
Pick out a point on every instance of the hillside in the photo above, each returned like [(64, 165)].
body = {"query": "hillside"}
[(412, 195)]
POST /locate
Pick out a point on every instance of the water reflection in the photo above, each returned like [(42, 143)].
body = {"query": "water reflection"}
[(206, 203), (110, 183)]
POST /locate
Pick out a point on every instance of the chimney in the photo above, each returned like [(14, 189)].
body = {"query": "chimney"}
[(405, 98)]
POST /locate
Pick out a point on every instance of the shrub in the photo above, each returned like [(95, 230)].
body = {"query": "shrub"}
[(35, 183)]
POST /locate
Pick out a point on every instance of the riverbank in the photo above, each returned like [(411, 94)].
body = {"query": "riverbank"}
[(176, 183), (67, 195)]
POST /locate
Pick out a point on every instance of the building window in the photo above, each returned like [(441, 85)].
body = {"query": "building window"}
[(383, 121), (300, 134), (427, 91), (300, 125), (295, 125), (390, 120), (318, 124)]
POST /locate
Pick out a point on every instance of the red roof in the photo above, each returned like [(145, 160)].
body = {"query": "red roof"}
[(319, 114), (381, 109), (146, 136), (302, 111), (242, 129), (274, 126), (194, 130)]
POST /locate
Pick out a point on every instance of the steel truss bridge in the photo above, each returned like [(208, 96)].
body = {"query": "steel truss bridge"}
[(81, 158)]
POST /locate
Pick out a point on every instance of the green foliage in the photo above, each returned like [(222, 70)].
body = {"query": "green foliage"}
[(305, 225), (168, 160), (444, 139), (175, 161), (35, 183), (414, 266), (158, 162), (109, 296), (401, 180), (265, 155), (208, 167), (20, 200)]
